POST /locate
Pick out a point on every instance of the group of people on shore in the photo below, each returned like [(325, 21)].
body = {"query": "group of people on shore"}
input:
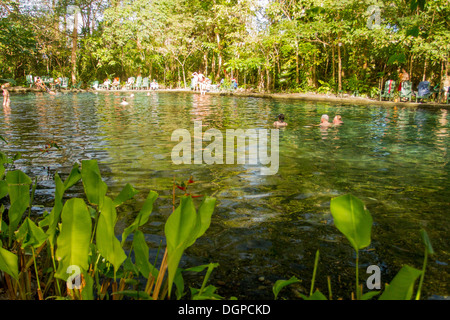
[(200, 81), (41, 85)]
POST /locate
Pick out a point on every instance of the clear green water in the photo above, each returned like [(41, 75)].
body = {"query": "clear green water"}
[(394, 159)]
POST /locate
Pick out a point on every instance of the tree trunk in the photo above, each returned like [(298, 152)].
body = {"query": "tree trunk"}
[(333, 64), (442, 78), (205, 59), (74, 47), (424, 70), (219, 57), (297, 78), (339, 68), (213, 65), (410, 67), (184, 76), (150, 71)]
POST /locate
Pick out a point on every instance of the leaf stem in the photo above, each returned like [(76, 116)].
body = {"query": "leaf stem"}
[(37, 275), (358, 295), (316, 262), (422, 276)]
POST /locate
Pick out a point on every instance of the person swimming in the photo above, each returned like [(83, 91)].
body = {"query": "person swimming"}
[(280, 122), (337, 120), (324, 121)]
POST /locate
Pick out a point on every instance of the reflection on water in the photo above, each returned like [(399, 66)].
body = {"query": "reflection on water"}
[(394, 158)]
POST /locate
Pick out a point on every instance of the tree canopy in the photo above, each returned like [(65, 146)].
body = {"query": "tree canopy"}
[(271, 45)]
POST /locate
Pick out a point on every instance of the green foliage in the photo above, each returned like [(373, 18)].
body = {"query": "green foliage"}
[(19, 195), (30, 235), (280, 284), (82, 241), (183, 227), (93, 184), (73, 240), (354, 221), (401, 287), (142, 216), (276, 45), (107, 243), (9, 263)]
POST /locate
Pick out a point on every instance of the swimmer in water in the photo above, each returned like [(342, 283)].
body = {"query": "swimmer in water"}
[(324, 121), (280, 122), (337, 120)]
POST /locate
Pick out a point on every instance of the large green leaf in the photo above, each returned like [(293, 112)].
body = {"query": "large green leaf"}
[(426, 241), (55, 214), (107, 243), (19, 195), (60, 188), (352, 219), (94, 186), (142, 216), (88, 290), (182, 229), (3, 224), (9, 263), (74, 177), (74, 238), (280, 284), (29, 234), (204, 213), (179, 229), (141, 255), (127, 193), (402, 286), (3, 187)]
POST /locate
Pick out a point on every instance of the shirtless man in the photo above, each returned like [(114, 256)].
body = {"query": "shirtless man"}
[(280, 122), (324, 121)]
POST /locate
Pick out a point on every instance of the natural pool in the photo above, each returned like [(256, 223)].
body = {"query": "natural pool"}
[(264, 228)]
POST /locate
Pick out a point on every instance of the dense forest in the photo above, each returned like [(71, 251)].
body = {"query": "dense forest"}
[(271, 45)]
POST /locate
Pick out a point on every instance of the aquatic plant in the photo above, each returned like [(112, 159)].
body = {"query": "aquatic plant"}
[(72, 252), (354, 221)]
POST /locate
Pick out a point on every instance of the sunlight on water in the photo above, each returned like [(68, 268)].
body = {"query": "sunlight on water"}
[(393, 158)]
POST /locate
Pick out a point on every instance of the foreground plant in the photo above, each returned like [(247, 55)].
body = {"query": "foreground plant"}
[(73, 252), (354, 221)]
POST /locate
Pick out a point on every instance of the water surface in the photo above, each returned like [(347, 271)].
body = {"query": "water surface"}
[(393, 158)]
